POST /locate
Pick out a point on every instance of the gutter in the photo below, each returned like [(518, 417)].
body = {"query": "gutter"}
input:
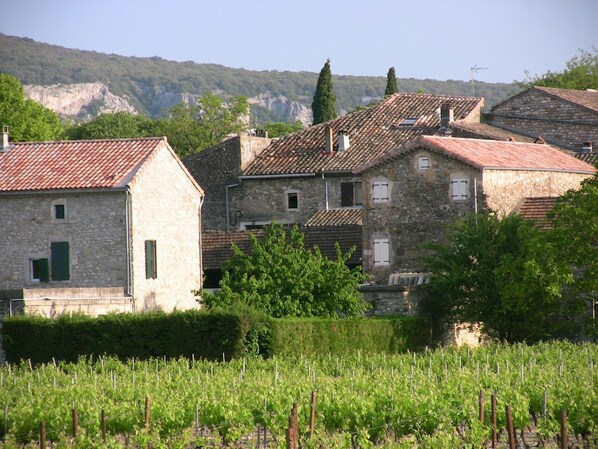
[(63, 191), (289, 175)]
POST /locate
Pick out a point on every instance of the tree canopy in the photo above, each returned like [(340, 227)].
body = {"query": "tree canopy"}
[(391, 83), (282, 278), (504, 275), (115, 125), (27, 120), (324, 102), (282, 129), (581, 73)]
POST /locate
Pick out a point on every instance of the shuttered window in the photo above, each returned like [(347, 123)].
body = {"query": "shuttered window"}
[(459, 189), (151, 266), (39, 270), (350, 194), (60, 261), (381, 252), (380, 192)]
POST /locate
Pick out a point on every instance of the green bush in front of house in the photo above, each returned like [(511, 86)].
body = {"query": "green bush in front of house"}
[(208, 335), (197, 334)]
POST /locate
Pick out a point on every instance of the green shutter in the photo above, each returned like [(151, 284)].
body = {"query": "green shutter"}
[(151, 271), (44, 273), (60, 261)]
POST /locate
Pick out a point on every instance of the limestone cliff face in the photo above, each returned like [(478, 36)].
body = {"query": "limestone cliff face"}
[(81, 101), (286, 109)]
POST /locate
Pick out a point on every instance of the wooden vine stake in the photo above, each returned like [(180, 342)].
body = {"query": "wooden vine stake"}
[(312, 415), (42, 435), (292, 433), (75, 417), (481, 406), (103, 425), (147, 415), (510, 429), (494, 432), (563, 429)]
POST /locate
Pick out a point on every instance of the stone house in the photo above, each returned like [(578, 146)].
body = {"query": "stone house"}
[(98, 226), (414, 192), (563, 117), (314, 169)]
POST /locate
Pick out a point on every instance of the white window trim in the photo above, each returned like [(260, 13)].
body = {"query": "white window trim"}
[(381, 249), (59, 202), (459, 189), (286, 198)]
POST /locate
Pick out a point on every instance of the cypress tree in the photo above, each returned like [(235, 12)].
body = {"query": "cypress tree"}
[(391, 83), (324, 102)]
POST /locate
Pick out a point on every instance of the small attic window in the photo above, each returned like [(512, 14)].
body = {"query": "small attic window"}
[(408, 121)]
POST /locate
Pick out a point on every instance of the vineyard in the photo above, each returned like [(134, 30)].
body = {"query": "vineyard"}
[(429, 400)]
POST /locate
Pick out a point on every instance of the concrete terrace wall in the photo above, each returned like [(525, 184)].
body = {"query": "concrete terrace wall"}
[(165, 207), (94, 227)]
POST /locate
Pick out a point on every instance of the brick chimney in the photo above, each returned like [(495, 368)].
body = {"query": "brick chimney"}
[(343, 141), (328, 140)]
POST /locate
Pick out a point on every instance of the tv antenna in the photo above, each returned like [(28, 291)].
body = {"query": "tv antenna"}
[(473, 70)]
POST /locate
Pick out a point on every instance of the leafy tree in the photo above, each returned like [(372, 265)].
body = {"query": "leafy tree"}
[(581, 73), (282, 129), (574, 233), (282, 278), (503, 275), (391, 83), (194, 128), (115, 125), (27, 120), (324, 102)]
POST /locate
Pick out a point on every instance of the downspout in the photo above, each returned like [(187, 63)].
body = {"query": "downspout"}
[(226, 204), (201, 201), (128, 222), (325, 190), (475, 195)]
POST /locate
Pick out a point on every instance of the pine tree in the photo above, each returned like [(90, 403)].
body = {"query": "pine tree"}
[(324, 103), (391, 83)]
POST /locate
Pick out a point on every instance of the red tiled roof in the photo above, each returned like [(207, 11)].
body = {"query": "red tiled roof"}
[(585, 98), (493, 154), (485, 131), (536, 208), (216, 245), (590, 158), (372, 132), (335, 217), (84, 164)]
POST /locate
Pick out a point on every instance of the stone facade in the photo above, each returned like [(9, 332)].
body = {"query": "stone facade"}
[(261, 200), (535, 112), (219, 166)]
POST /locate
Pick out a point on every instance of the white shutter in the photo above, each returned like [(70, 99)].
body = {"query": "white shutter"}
[(381, 252), (459, 189)]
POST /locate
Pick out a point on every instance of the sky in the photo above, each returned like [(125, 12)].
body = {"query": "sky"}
[(491, 40)]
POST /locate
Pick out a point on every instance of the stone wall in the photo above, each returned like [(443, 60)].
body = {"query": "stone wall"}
[(219, 166), (536, 113), (419, 208), (507, 189), (94, 226), (260, 201), (165, 208), (391, 299)]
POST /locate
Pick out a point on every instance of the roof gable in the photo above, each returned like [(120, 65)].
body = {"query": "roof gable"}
[(585, 98), (493, 154), (372, 131), (90, 164)]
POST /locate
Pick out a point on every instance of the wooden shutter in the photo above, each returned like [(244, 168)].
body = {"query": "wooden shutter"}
[(43, 270), (381, 252), (61, 264)]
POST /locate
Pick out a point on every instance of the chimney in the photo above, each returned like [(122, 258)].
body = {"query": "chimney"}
[(328, 140), (446, 115), (587, 147), (343, 141), (5, 144)]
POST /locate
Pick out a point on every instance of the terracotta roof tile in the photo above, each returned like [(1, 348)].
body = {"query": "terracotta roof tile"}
[(34, 166), (485, 131), (536, 208), (590, 158), (372, 132), (335, 217), (216, 245), (493, 154)]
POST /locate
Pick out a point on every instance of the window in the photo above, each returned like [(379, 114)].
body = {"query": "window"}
[(60, 261), (38, 270), (350, 194), (292, 200), (381, 252), (380, 191), (423, 162), (459, 189), (151, 266), (58, 210), (408, 121)]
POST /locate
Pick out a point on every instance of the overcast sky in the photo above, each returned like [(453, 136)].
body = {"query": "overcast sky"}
[(435, 39)]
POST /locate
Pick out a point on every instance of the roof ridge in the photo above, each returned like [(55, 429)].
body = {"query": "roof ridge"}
[(122, 139)]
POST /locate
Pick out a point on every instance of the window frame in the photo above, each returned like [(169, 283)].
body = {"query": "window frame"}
[(356, 193), (420, 165), (42, 270), (54, 207), (288, 195)]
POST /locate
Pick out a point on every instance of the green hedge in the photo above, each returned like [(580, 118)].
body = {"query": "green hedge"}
[(190, 333), (313, 336), (206, 335)]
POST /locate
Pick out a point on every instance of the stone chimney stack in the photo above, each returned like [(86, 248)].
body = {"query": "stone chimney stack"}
[(446, 115), (587, 147), (343, 141), (5, 143), (328, 140)]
